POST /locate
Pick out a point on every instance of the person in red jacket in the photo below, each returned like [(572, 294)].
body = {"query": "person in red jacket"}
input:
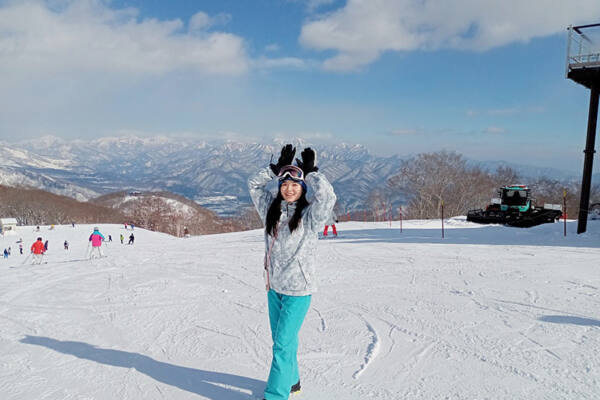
[(38, 251)]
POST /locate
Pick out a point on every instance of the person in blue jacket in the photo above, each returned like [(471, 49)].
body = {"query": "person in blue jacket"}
[(292, 219)]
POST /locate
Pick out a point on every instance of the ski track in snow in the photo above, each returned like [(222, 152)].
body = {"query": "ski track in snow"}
[(372, 349), (323, 324)]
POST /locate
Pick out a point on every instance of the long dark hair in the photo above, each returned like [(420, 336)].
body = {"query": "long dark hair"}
[(274, 213)]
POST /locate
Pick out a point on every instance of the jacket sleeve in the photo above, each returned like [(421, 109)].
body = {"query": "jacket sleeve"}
[(261, 196), (323, 200), (90, 239)]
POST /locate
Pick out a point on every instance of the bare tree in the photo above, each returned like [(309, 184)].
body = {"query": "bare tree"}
[(429, 179)]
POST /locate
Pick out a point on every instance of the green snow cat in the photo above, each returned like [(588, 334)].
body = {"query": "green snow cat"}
[(515, 207)]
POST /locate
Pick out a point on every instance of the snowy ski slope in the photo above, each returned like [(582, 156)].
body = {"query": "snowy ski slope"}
[(489, 312)]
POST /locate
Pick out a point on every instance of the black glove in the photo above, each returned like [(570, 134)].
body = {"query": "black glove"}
[(307, 165), (286, 158)]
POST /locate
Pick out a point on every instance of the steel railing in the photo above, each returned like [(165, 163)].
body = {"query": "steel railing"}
[(583, 50)]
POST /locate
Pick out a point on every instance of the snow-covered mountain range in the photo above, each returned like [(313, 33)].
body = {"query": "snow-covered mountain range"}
[(211, 173)]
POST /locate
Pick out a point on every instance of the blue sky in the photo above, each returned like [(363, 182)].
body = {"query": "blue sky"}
[(400, 77)]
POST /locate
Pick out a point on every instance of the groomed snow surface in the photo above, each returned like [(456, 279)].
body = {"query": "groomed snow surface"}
[(489, 312)]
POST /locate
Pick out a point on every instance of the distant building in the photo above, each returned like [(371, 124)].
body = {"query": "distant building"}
[(133, 193), (8, 226)]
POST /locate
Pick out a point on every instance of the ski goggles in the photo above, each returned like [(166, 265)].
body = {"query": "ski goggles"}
[(292, 172)]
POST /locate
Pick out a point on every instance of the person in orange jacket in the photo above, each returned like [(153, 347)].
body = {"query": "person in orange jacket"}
[(38, 251)]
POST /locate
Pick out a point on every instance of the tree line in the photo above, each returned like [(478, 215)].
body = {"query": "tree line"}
[(37, 207), (429, 180)]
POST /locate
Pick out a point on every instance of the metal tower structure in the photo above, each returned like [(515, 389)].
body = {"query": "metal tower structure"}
[(583, 67)]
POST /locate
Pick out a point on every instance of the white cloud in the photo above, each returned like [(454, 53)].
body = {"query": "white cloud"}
[(272, 47), (87, 36), (201, 21), (363, 29), (283, 62)]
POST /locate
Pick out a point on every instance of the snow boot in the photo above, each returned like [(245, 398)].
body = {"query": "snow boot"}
[(295, 388)]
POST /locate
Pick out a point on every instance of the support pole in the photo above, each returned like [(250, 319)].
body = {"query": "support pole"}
[(400, 212), (589, 151), (565, 211), (442, 219)]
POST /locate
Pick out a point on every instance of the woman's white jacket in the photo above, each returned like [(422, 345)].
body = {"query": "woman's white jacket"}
[(292, 266)]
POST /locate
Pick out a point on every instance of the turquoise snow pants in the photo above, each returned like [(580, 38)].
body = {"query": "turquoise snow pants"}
[(286, 315)]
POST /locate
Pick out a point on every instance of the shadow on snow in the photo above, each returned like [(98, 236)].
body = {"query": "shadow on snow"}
[(567, 319), (551, 235), (204, 383)]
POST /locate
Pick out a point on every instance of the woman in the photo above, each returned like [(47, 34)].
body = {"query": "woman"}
[(292, 223)]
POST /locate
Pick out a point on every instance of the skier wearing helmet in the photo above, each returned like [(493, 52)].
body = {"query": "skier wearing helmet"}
[(96, 238), (292, 219)]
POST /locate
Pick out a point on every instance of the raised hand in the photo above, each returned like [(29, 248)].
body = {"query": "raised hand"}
[(309, 159), (286, 158)]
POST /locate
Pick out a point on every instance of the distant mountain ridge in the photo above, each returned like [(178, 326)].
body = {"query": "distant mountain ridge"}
[(213, 174)]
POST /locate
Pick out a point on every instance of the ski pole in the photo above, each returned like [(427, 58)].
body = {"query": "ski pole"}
[(26, 258)]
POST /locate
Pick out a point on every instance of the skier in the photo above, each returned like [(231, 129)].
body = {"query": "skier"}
[(96, 238), (21, 248), (121, 237), (5, 253), (66, 245), (109, 238), (332, 221), (131, 239), (291, 233), (186, 232), (37, 248)]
